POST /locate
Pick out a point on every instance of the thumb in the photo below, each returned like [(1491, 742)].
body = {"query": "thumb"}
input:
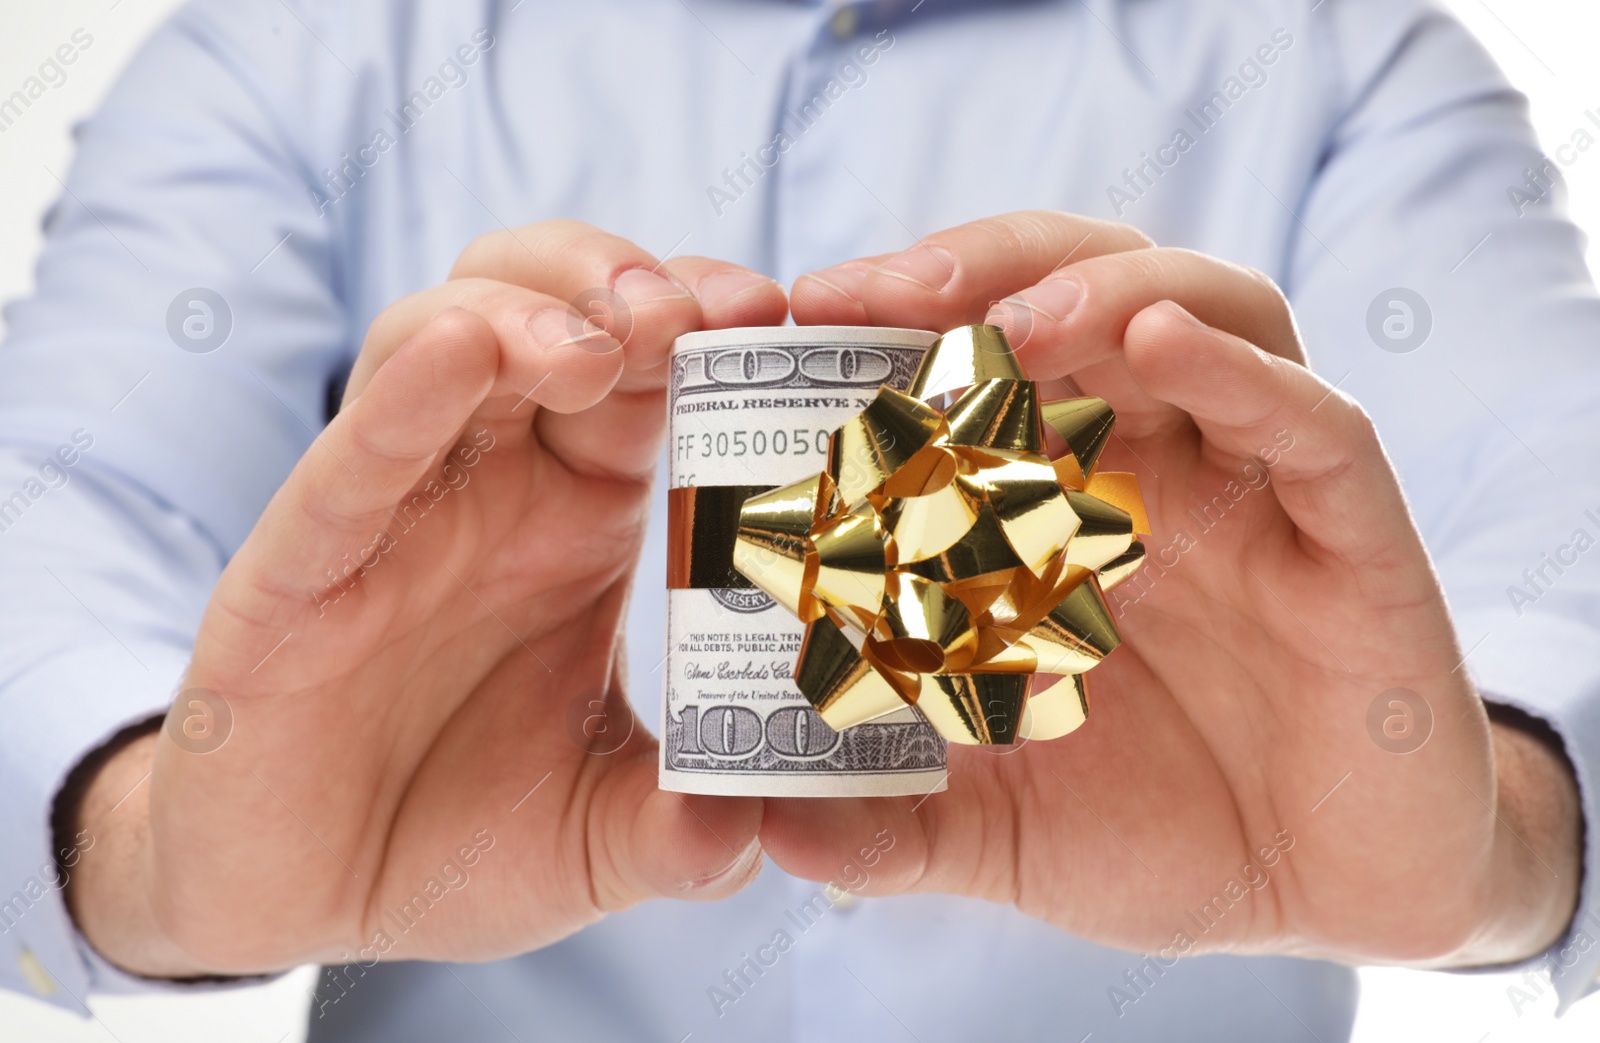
[(648, 843)]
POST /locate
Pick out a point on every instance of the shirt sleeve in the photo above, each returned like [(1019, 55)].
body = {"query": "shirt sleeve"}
[(173, 364), (1462, 316)]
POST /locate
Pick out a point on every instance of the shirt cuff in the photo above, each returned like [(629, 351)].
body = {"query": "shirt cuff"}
[(1546, 667), (57, 711)]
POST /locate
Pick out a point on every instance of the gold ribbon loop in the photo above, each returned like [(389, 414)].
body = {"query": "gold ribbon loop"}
[(962, 557), (964, 357), (880, 440), (997, 414), (839, 682), (1084, 424), (976, 709)]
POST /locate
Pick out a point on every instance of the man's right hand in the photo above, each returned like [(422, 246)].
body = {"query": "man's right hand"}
[(404, 641)]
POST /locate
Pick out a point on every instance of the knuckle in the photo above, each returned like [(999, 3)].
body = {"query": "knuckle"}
[(461, 307), (1272, 294), (550, 236), (1032, 231), (1136, 239), (1109, 236), (378, 329), (544, 239), (470, 258), (457, 325), (481, 253), (1261, 279), (1152, 267), (1122, 236), (1066, 229), (1360, 424)]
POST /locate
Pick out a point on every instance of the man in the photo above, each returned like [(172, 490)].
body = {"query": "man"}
[(376, 628)]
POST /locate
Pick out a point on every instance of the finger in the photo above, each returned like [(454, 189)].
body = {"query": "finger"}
[(620, 437), (813, 839), (609, 282), (617, 438), (561, 258), (1082, 310), (1073, 321), (832, 296), (922, 843), (648, 843), (548, 357), (949, 278), (1328, 468), (371, 455), (730, 294)]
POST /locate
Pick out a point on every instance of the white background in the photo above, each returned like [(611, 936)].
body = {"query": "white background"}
[(1545, 46)]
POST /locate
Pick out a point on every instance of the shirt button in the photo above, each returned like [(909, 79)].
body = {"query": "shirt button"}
[(844, 22), (34, 974)]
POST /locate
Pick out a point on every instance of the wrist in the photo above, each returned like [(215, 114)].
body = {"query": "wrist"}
[(1537, 861), (109, 891)]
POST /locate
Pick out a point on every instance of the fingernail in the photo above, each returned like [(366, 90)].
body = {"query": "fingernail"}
[(641, 286), (1054, 297), (725, 286), (930, 267), (556, 327), (846, 282), (741, 863)]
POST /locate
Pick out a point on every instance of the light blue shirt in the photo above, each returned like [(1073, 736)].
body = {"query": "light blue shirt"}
[(311, 162)]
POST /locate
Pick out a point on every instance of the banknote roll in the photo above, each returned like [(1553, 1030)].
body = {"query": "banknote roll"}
[(750, 410)]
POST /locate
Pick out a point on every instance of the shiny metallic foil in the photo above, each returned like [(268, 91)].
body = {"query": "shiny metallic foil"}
[(942, 560)]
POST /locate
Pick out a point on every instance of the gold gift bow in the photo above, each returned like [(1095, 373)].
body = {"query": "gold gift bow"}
[(942, 559)]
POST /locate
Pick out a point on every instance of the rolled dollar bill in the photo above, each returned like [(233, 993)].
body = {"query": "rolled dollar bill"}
[(750, 410)]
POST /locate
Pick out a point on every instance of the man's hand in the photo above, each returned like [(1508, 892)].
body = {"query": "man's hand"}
[(1227, 792), (410, 640)]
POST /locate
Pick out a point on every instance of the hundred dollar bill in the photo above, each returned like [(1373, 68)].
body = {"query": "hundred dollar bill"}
[(754, 408)]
